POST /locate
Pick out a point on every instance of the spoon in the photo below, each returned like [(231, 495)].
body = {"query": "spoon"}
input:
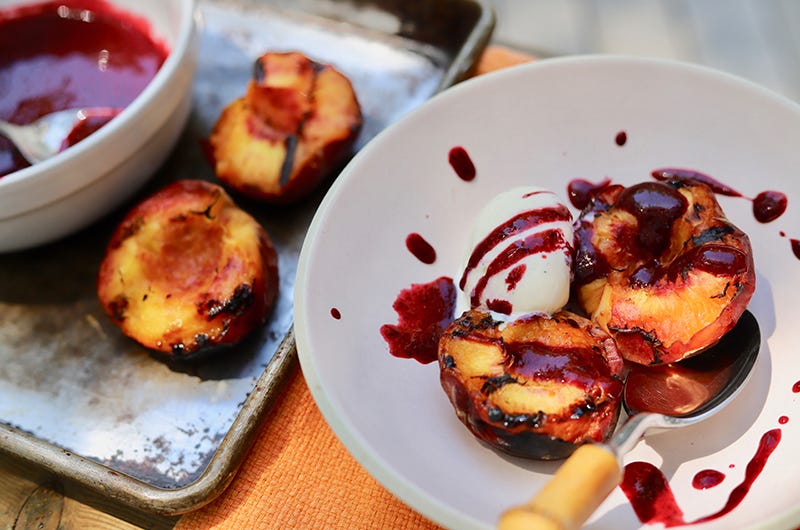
[(50, 134), (663, 397)]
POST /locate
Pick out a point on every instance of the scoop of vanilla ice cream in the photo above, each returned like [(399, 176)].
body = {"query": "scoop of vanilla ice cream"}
[(521, 258)]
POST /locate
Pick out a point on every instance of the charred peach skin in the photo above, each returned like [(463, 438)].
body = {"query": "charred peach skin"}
[(296, 123), (660, 267), (536, 388), (187, 271)]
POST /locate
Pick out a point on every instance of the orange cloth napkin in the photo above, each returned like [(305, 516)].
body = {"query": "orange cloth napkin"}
[(298, 474)]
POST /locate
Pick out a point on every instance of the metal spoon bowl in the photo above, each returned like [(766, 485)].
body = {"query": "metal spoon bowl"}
[(681, 394), (675, 395), (45, 137)]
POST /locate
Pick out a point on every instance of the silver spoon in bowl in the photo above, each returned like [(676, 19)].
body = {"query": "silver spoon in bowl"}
[(665, 397), (50, 134)]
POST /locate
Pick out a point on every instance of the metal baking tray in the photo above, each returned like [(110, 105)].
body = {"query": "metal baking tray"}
[(96, 410)]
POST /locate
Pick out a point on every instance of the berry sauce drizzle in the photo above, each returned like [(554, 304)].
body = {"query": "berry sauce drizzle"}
[(718, 187), (580, 191), (421, 249), (547, 241), (536, 243), (767, 205), (652, 498)]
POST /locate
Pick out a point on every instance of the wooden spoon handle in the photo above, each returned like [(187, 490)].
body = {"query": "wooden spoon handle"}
[(579, 486)]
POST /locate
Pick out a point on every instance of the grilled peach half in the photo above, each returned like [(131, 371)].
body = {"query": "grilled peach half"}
[(537, 387), (296, 123), (187, 271), (662, 269)]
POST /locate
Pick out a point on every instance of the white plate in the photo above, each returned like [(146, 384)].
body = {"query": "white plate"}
[(545, 124)]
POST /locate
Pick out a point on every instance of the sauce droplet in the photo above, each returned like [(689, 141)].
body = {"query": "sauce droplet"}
[(621, 138), (707, 478), (580, 191), (462, 163), (335, 313), (796, 387), (783, 420), (769, 205), (420, 248)]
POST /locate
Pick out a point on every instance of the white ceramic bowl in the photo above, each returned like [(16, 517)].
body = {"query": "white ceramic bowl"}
[(546, 124), (69, 191)]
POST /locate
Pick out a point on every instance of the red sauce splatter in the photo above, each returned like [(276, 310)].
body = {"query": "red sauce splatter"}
[(650, 496), (621, 138), (652, 499), (580, 191), (796, 387), (707, 478), (462, 163), (783, 420), (769, 441), (718, 187), (547, 241), (795, 244), (769, 205), (424, 311), (93, 55), (421, 249), (335, 313)]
